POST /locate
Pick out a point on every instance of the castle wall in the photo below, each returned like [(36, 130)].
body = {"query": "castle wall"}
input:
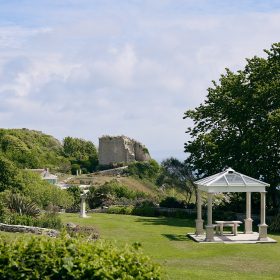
[(120, 149)]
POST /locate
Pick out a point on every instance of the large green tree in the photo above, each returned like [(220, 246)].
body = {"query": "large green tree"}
[(176, 174), (238, 124), (81, 152)]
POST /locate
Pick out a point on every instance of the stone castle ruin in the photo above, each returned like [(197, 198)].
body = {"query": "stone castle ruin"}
[(116, 149)]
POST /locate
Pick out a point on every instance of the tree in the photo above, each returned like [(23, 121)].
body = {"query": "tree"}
[(81, 152), (75, 192), (8, 175), (238, 125), (144, 169), (176, 174)]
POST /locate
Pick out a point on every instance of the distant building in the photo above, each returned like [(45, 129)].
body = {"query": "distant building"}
[(45, 175), (121, 149)]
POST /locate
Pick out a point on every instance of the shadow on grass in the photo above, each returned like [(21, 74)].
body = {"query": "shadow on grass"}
[(166, 221), (177, 237)]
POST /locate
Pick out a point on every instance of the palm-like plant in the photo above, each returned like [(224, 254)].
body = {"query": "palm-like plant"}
[(22, 205)]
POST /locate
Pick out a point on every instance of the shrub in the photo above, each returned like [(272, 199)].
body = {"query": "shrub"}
[(148, 202), (74, 168), (8, 175), (91, 233), (275, 224), (145, 211), (3, 211), (144, 169), (17, 219), (43, 193), (61, 258), (75, 192), (126, 210), (22, 205), (172, 202), (109, 193), (47, 220)]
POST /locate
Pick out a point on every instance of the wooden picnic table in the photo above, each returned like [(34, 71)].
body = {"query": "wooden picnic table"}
[(233, 224)]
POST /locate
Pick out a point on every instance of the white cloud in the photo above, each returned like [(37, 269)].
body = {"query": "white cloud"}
[(118, 71)]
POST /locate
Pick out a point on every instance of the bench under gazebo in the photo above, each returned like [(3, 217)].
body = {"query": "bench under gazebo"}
[(226, 182)]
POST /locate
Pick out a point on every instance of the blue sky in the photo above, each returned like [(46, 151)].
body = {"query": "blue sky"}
[(86, 68)]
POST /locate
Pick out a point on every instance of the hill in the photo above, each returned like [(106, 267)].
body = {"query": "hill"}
[(96, 179), (133, 183), (32, 149)]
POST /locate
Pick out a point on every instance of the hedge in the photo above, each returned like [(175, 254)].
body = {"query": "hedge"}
[(68, 258)]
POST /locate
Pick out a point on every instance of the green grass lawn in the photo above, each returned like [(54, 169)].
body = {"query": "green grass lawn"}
[(165, 241)]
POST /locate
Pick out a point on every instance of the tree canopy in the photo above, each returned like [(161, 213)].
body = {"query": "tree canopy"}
[(175, 173), (81, 152), (238, 125), (32, 149)]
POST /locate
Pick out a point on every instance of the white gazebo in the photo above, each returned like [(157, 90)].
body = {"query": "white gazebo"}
[(225, 182)]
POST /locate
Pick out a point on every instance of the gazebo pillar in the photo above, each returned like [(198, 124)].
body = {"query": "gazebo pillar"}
[(209, 227), (199, 221), (263, 225), (248, 221)]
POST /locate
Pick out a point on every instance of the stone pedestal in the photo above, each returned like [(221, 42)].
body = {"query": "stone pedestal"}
[(83, 207), (262, 232), (248, 226), (209, 233), (199, 227)]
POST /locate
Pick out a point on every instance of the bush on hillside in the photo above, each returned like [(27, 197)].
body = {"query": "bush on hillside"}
[(61, 258), (31, 149), (110, 193), (81, 153), (172, 202), (31, 185), (43, 193), (144, 169), (8, 175), (124, 210), (146, 202)]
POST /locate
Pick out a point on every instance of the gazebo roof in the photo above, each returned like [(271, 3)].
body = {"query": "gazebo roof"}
[(230, 181)]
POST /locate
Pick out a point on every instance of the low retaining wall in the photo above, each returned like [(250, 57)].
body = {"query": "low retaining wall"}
[(29, 229), (113, 172)]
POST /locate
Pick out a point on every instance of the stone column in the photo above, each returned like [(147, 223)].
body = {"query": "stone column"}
[(83, 207), (199, 221), (262, 225), (248, 221), (209, 227)]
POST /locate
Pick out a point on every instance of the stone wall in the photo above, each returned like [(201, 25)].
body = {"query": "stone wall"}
[(112, 172), (116, 149), (28, 229)]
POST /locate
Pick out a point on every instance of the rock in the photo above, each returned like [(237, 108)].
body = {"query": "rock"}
[(71, 225)]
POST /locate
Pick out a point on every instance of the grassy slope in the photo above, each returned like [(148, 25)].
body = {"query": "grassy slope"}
[(132, 183), (165, 240)]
